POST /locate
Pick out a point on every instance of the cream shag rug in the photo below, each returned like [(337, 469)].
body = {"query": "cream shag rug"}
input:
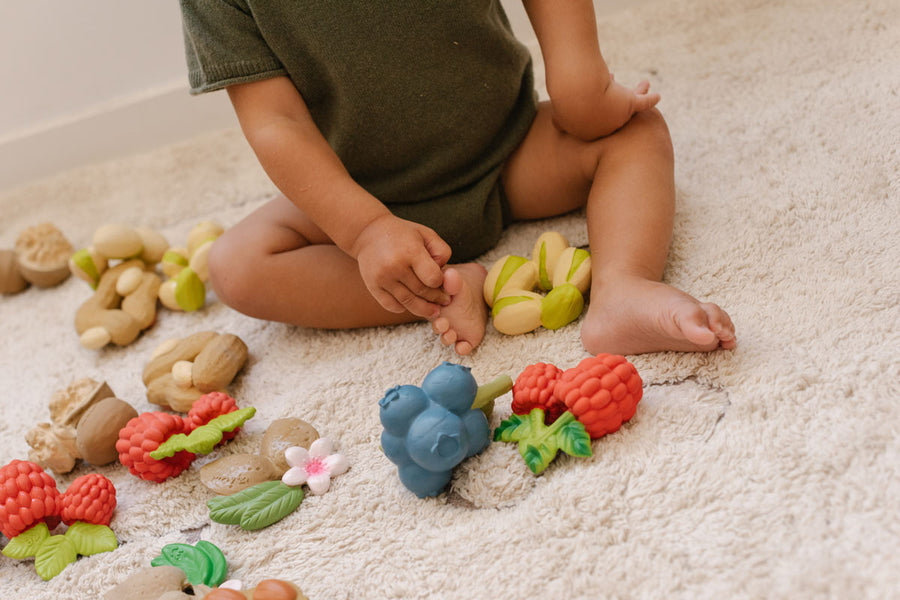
[(767, 472)]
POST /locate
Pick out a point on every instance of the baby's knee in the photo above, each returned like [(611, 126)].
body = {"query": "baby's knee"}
[(229, 273), (651, 130)]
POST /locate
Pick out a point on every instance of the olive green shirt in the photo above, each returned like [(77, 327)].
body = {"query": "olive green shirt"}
[(422, 100)]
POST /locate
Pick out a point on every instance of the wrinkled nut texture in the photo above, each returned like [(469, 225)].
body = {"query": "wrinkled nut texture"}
[(43, 252), (231, 474), (68, 406), (52, 447), (281, 435)]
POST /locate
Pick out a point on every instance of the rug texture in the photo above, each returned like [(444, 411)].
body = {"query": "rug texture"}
[(772, 471)]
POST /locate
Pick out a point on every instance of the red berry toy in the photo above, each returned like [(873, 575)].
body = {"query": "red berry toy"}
[(90, 498), (534, 389), (209, 406), (142, 435), (602, 392), (27, 496)]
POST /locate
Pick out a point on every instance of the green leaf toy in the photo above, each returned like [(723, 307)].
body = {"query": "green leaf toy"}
[(203, 563), (256, 507), (55, 554), (539, 443), (203, 439)]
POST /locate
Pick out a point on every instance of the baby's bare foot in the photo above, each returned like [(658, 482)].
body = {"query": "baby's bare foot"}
[(633, 316), (461, 323)]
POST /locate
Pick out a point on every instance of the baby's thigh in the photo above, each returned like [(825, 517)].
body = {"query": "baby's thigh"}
[(550, 173), (276, 226)]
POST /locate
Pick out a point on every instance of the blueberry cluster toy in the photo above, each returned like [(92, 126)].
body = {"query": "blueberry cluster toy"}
[(31, 507), (429, 430), (564, 272)]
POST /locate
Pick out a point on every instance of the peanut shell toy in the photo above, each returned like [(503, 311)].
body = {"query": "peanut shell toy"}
[(564, 272), (182, 370)]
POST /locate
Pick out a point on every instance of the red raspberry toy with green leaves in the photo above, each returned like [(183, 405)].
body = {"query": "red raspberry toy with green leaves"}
[(209, 406), (144, 434), (602, 392), (31, 506), (534, 389)]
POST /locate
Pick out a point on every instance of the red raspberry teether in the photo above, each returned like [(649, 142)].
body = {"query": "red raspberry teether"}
[(602, 392), (142, 435), (90, 498), (209, 406), (534, 389), (28, 495)]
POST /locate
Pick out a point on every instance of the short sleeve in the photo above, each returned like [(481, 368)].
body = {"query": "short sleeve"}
[(223, 45)]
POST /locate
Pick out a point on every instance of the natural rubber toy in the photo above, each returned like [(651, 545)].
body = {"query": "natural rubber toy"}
[(202, 563), (188, 270), (144, 447), (564, 272), (539, 443), (31, 506), (429, 430), (182, 370), (602, 392), (269, 502)]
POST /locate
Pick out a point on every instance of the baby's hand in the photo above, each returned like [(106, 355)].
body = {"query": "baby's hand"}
[(400, 263), (598, 115)]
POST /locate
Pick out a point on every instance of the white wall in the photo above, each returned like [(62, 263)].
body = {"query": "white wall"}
[(96, 79)]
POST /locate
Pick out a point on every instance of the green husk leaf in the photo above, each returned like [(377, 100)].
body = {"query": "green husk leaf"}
[(190, 292), (579, 256), (90, 539), (27, 543), (228, 510), (539, 443), (543, 275), (216, 574), (203, 439), (195, 563), (55, 554), (272, 506), (511, 265)]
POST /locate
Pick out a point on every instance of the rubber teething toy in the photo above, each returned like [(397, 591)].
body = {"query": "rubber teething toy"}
[(42, 254), (171, 583), (269, 502), (602, 392), (182, 370), (539, 443), (187, 269), (431, 429), (31, 506), (202, 563), (564, 272)]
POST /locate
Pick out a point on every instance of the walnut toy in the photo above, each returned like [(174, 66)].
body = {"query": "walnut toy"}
[(182, 370), (40, 258), (85, 419)]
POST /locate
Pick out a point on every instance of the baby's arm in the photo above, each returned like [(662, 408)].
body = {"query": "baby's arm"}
[(400, 261), (587, 101)]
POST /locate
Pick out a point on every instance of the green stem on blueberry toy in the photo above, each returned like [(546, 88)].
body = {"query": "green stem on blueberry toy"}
[(539, 443), (487, 393)]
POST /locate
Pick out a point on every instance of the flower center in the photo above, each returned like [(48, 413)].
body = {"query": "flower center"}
[(316, 466)]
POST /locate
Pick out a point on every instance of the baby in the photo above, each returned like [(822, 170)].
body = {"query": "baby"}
[(405, 135)]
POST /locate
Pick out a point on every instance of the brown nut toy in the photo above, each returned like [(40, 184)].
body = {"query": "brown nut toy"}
[(156, 583), (182, 370), (42, 252), (11, 280), (85, 421), (115, 313), (268, 589)]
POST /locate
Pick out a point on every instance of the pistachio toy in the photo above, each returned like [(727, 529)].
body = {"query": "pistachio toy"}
[(117, 242), (182, 370), (564, 272), (85, 418), (188, 269)]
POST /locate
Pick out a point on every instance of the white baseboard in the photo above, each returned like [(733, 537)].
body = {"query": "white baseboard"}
[(159, 117)]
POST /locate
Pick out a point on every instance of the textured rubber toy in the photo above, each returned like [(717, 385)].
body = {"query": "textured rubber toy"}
[(534, 389), (602, 392), (28, 496), (209, 406), (90, 498), (142, 435)]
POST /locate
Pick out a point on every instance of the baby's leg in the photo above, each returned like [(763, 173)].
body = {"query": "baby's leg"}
[(277, 265), (627, 181)]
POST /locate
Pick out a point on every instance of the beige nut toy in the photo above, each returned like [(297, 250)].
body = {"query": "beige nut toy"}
[(42, 255), (182, 370), (564, 272), (187, 269), (123, 305), (85, 420)]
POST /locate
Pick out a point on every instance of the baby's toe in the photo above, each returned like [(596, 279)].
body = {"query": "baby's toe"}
[(449, 338)]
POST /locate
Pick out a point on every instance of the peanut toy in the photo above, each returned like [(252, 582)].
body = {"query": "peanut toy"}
[(182, 370), (564, 272), (171, 583), (85, 421), (40, 258), (187, 269)]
